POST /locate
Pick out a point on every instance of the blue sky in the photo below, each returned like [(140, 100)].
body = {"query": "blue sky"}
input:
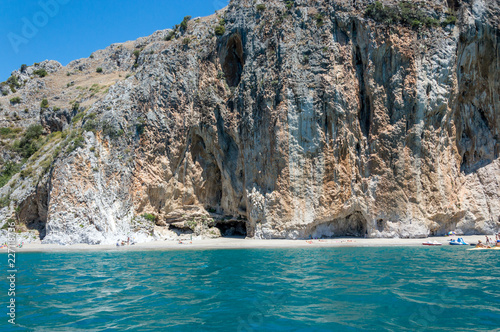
[(64, 30)]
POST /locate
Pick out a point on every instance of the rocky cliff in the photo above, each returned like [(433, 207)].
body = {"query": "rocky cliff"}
[(279, 119)]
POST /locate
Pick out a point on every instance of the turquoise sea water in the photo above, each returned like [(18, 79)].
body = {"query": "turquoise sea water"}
[(314, 289)]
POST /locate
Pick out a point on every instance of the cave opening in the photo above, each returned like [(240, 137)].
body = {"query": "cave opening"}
[(180, 230), (380, 225), (353, 225), (232, 60), (453, 4), (33, 212), (233, 228)]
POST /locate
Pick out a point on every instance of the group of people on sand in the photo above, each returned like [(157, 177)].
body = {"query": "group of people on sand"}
[(125, 243), (489, 242)]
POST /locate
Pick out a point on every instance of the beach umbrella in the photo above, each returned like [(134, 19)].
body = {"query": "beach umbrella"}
[(452, 233)]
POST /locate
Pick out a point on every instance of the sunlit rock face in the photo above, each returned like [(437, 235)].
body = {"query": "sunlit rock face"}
[(311, 120)]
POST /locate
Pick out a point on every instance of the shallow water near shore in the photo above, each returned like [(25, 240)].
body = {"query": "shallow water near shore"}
[(306, 289)]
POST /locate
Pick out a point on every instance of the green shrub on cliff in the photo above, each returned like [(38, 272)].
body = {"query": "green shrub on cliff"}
[(27, 172), (33, 132), (136, 54), (8, 171), (111, 131), (77, 141), (191, 224), (170, 35), (40, 72), (9, 133), (149, 217), (75, 107), (78, 117), (4, 201), (15, 100), (90, 125), (404, 13), (381, 13), (44, 103), (29, 143), (319, 19), (140, 126), (450, 19), (13, 82), (184, 23), (219, 30), (4, 131)]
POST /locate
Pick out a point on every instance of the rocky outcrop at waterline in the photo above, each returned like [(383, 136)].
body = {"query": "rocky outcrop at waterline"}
[(272, 120)]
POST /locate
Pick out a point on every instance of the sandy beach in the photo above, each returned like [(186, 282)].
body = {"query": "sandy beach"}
[(241, 243)]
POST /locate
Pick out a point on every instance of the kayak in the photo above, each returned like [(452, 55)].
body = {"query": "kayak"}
[(494, 248), (435, 243)]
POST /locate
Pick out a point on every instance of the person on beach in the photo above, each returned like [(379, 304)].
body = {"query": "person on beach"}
[(481, 245)]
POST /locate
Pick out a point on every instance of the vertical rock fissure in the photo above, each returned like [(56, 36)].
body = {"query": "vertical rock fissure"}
[(210, 191), (364, 104)]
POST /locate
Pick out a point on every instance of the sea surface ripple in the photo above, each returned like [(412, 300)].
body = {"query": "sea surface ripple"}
[(314, 289)]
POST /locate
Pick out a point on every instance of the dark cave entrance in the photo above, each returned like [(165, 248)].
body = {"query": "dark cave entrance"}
[(380, 225), (233, 228), (33, 212), (353, 225), (210, 193), (180, 230), (453, 4), (232, 60)]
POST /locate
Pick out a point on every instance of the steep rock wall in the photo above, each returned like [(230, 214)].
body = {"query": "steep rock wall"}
[(305, 121)]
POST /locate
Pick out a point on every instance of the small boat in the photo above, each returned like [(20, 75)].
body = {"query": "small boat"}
[(458, 242), (429, 243)]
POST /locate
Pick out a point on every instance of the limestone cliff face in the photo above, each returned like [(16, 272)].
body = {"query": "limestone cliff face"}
[(303, 119)]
